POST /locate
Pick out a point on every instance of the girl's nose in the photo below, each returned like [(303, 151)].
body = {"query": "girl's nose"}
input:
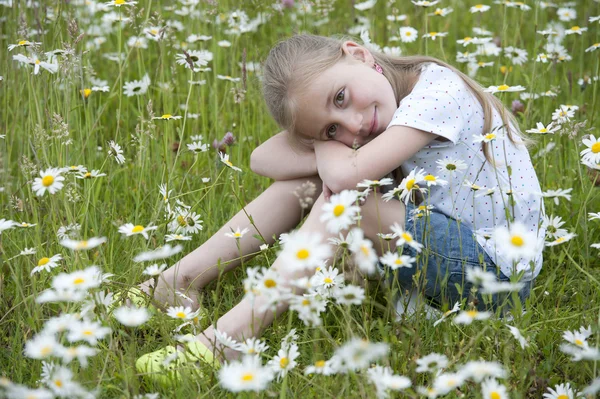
[(354, 124)]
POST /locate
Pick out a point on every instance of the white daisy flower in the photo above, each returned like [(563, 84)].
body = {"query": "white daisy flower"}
[(47, 264), (237, 234), (395, 261), (349, 295), (77, 245), (561, 391), (408, 34), (180, 312), (467, 316), (363, 252), (405, 237), (155, 269), (116, 151), (518, 336), (130, 229), (245, 375), (137, 87), (434, 35), (517, 242), (225, 159), (88, 331), (431, 363), (490, 388), (451, 166), (592, 152), (541, 129), (50, 180), (481, 8), (131, 316), (160, 253), (303, 250), (503, 88), (341, 211)]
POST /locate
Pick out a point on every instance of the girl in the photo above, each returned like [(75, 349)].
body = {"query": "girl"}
[(351, 114)]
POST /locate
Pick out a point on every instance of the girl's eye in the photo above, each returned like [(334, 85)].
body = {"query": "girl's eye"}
[(339, 99), (330, 133)]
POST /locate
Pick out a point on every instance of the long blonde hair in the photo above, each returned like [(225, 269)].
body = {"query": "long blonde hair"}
[(295, 61)]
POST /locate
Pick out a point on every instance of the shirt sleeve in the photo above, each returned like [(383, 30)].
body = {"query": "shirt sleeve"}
[(433, 111)]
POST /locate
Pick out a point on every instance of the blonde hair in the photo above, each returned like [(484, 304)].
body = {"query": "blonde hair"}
[(295, 61)]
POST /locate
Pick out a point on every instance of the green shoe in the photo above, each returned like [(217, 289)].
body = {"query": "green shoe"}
[(165, 366)]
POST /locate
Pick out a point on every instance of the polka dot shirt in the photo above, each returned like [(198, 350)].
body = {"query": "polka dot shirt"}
[(441, 103)]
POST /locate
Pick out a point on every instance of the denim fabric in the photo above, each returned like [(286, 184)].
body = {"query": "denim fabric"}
[(450, 248)]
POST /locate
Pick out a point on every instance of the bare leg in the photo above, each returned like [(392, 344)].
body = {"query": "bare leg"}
[(275, 211), (245, 320)]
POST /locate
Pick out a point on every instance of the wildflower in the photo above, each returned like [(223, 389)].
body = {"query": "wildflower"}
[(518, 336), (197, 147), (405, 237), (82, 280), (341, 211), (395, 261), (431, 363), (177, 237), (396, 18), (561, 239), (349, 295), (252, 346), (137, 87), (88, 331), (129, 229), (365, 5), (116, 151), (467, 316), (479, 370), (81, 352), (566, 14), (481, 8), (225, 159), (578, 338), (47, 264), (561, 391), (434, 35), (51, 67), (503, 88), (432, 180), (50, 180), (22, 43), (285, 360), (159, 253), (451, 166), (168, 117), (425, 3), (228, 78), (593, 388), (516, 242), (131, 316), (491, 389), (411, 183), (245, 375), (447, 382), (27, 251), (501, 286), (179, 312), (323, 367), (7, 224), (556, 194), (362, 249), (90, 175), (154, 270), (541, 129), (237, 234), (408, 34), (516, 55), (593, 47), (185, 221), (76, 245), (575, 30), (194, 59), (225, 340), (592, 152), (119, 3), (304, 251), (41, 346)]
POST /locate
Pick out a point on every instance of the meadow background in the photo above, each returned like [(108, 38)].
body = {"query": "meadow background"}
[(52, 120)]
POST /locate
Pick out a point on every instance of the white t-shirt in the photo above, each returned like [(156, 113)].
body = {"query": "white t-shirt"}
[(441, 103)]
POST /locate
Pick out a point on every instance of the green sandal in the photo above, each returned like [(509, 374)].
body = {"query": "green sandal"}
[(152, 365)]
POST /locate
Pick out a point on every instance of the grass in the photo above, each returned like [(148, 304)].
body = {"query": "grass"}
[(48, 123)]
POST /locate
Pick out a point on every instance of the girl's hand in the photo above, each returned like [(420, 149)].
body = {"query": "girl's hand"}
[(326, 192)]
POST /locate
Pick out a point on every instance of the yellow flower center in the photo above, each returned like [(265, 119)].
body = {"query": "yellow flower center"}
[(47, 180), (407, 237), (78, 280), (23, 42), (248, 377), (430, 178), (327, 280), (43, 261), (479, 6), (503, 87), (490, 136), (46, 350), (88, 332), (181, 221), (236, 234), (302, 254), (58, 383), (320, 363), (166, 116), (88, 175), (154, 31), (119, 2), (283, 362), (517, 241), (38, 62), (338, 210), (410, 184), (578, 342), (82, 244), (543, 130), (563, 396), (181, 315), (408, 33), (305, 302), (560, 239), (472, 313), (270, 283), (365, 250), (137, 229), (596, 148), (432, 33), (398, 261), (495, 395), (229, 163), (575, 28), (468, 39), (439, 11), (86, 92)]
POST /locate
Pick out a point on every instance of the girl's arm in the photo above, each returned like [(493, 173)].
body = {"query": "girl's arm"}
[(342, 168), (276, 159)]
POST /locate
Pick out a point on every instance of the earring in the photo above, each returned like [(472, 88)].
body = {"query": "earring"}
[(378, 68)]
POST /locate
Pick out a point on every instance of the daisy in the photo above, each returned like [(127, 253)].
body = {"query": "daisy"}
[(467, 316), (155, 33), (81, 352), (41, 346), (137, 87), (405, 237), (194, 59), (88, 331), (163, 252), (442, 12), (593, 47), (47, 264), (559, 193), (349, 295), (185, 221), (561, 239), (359, 353), (518, 336), (245, 375), (252, 346), (197, 147), (177, 237), (119, 3), (447, 382), (408, 34), (503, 88), (94, 174), (323, 367), (80, 280), (396, 18), (180, 312), (168, 117), (395, 261), (566, 14), (225, 159), (237, 234), (327, 278), (341, 211), (154, 270), (23, 43), (7, 224), (363, 251), (76, 245), (562, 391), (228, 78), (541, 129), (451, 166), (516, 242), (592, 152), (491, 389), (575, 30), (578, 338), (516, 55), (591, 216), (137, 42), (489, 288), (304, 250), (130, 229), (478, 276), (50, 180), (131, 316), (51, 67), (410, 183), (479, 370), (375, 183), (434, 35), (425, 3), (365, 5), (432, 180), (285, 360), (116, 151), (431, 363), (481, 8)]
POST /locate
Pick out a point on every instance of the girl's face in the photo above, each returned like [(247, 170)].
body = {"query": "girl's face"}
[(350, 102)]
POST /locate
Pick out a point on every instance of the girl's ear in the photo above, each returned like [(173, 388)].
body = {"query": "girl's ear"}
[(357, 52)]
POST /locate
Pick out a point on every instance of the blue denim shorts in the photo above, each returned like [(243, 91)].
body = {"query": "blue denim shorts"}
[(450, 248)]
